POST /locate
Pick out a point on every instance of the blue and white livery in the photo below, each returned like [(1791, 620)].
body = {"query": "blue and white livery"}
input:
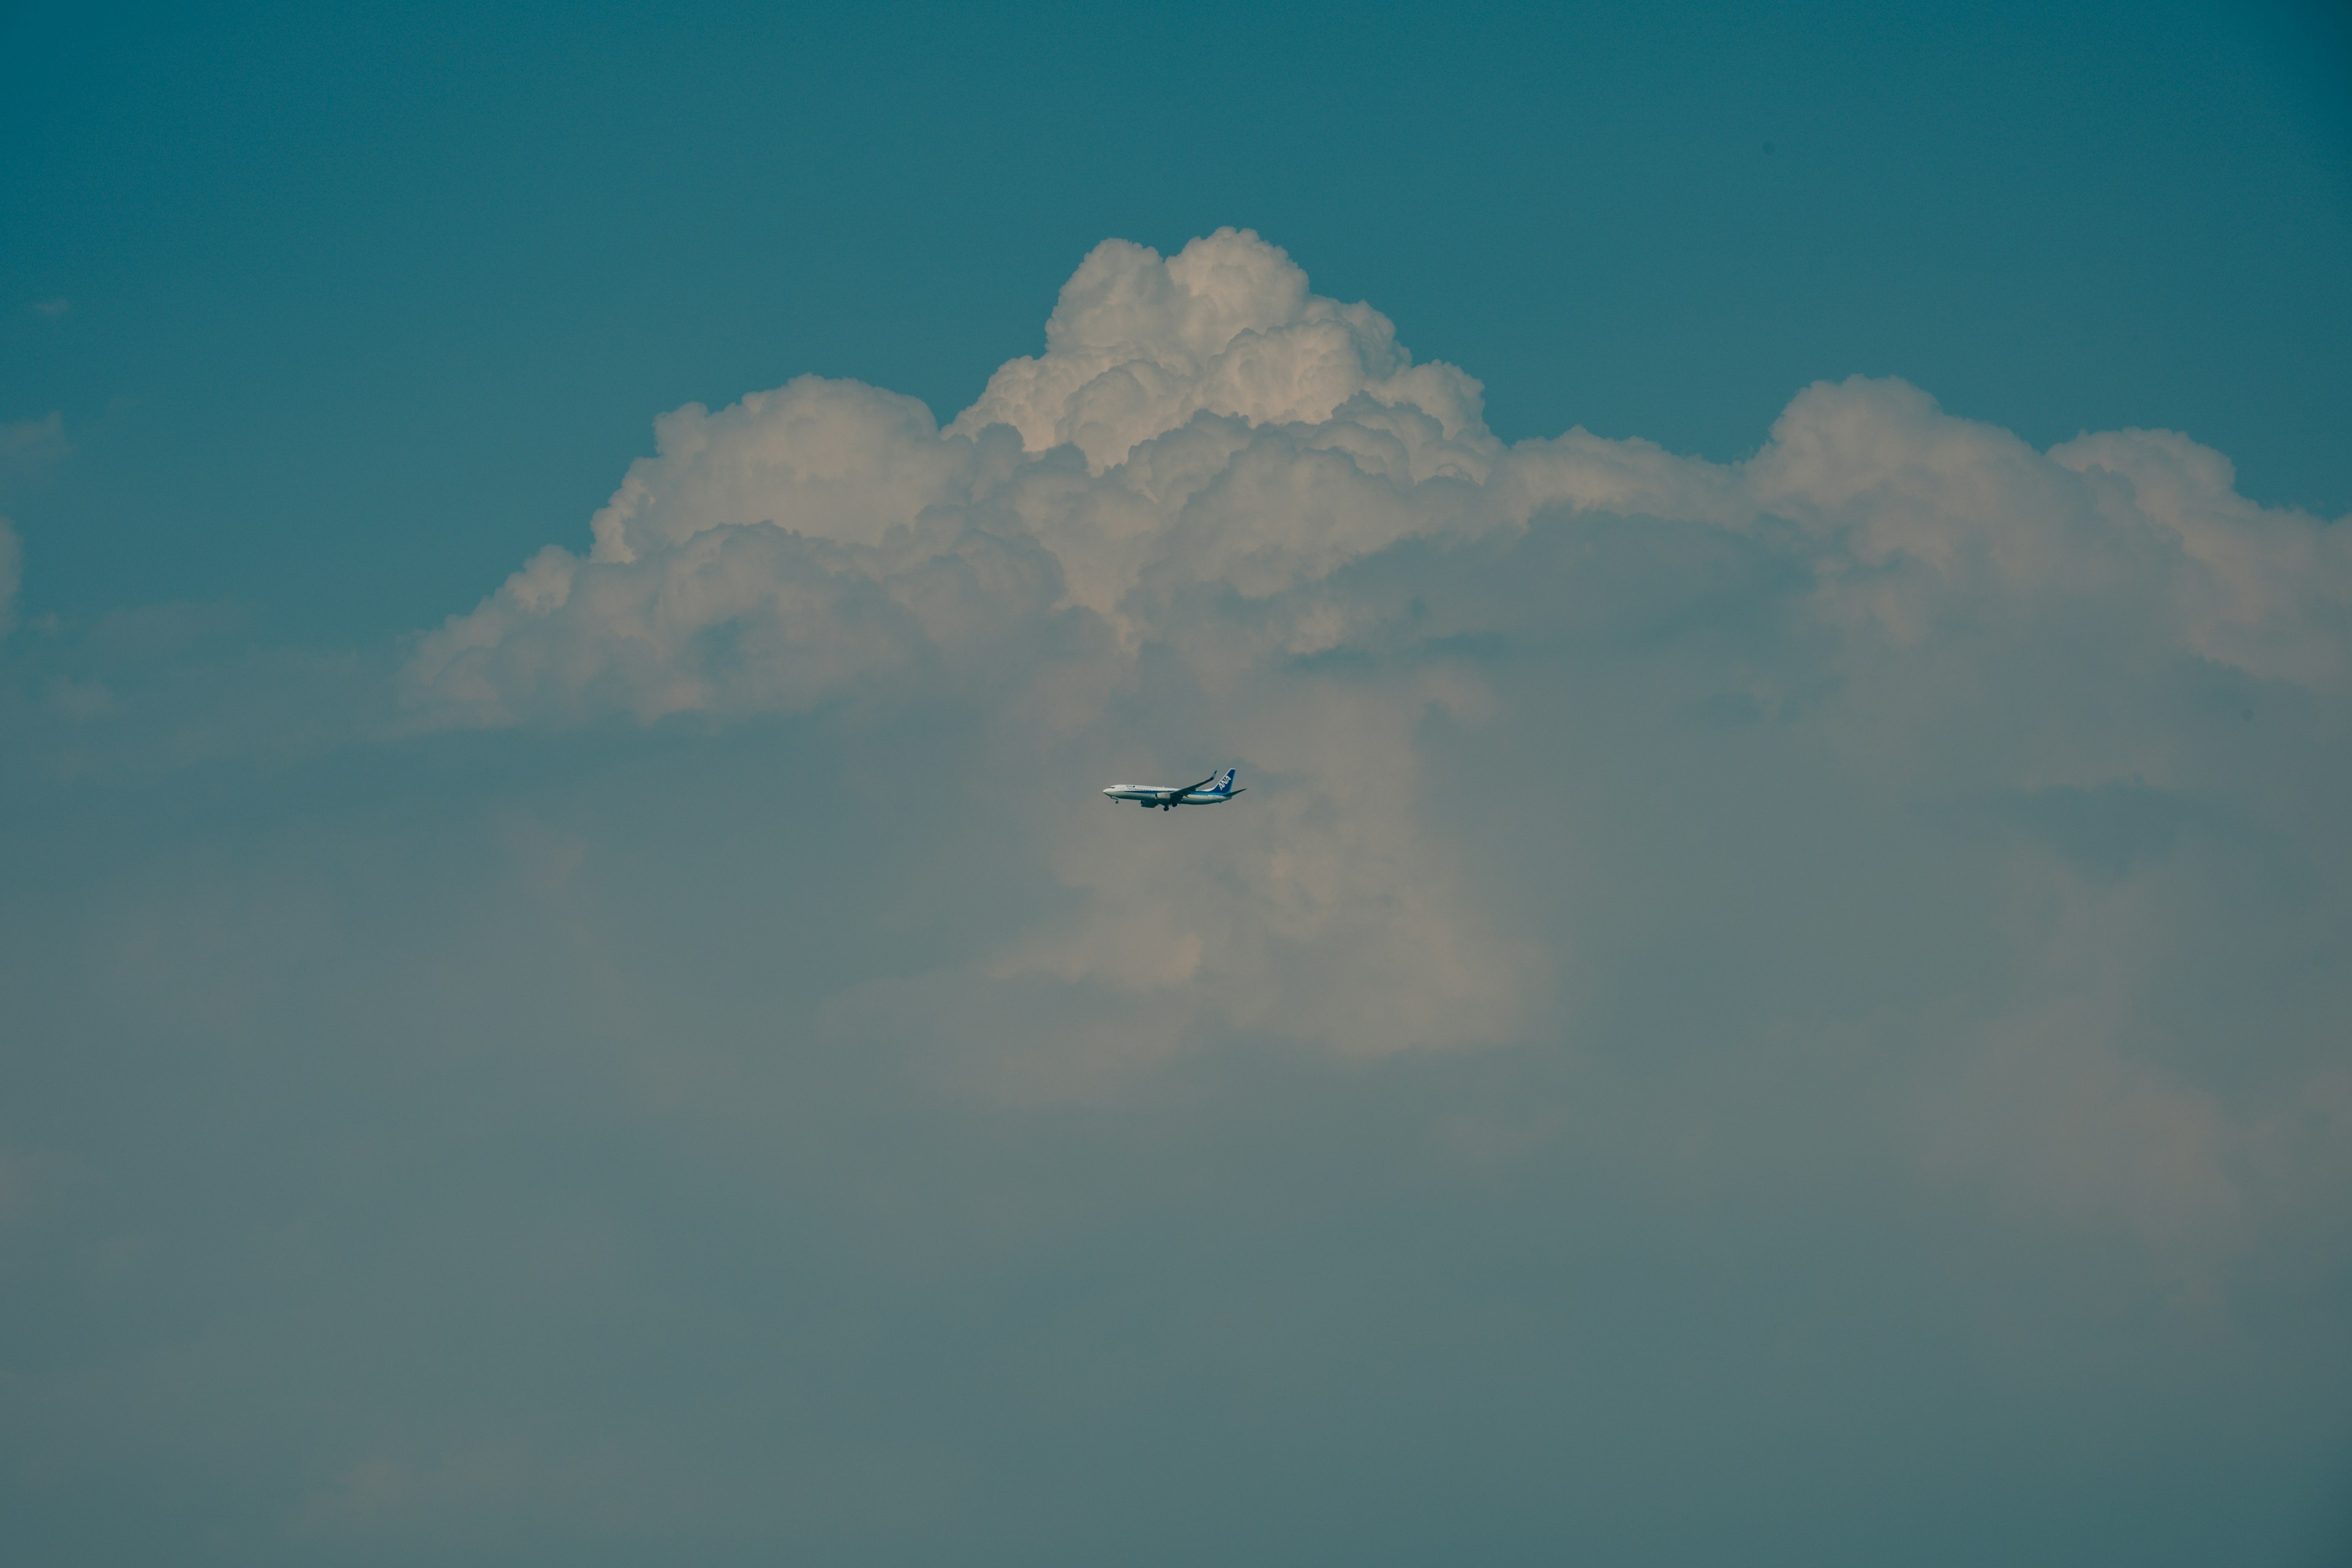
[(1210, 791)]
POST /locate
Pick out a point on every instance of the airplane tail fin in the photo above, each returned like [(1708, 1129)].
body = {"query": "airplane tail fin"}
[(1226, 785)]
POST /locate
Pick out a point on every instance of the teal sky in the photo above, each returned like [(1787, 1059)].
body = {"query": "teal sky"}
[(420, 273), (1777, 580)]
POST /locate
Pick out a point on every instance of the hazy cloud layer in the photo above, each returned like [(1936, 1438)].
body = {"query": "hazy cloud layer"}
[(11, 574), (1788, 1010), (1273, 526), (31, 446)]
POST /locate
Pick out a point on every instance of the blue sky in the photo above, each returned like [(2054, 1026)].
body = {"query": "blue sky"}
[(1778, 583), (424, 273)]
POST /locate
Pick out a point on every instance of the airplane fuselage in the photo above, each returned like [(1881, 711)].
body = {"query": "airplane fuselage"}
[(1167, 798), (1152, 794)]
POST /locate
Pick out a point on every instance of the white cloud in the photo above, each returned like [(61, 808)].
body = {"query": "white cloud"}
[(1205, 422), (1223, 519), (1138, 345)]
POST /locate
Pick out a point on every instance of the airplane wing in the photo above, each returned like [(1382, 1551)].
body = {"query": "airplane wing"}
[(1188, 789)]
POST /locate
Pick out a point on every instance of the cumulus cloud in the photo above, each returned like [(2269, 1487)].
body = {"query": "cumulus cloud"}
[(1138, 345), (1220, 489), (1205, 424), (1222, 518)]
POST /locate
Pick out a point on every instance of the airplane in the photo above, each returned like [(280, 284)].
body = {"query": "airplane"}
[(1150, 795)]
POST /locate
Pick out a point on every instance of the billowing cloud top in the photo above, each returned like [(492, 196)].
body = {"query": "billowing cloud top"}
[(1206, 420), (1138, 345), (1215, 476)]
